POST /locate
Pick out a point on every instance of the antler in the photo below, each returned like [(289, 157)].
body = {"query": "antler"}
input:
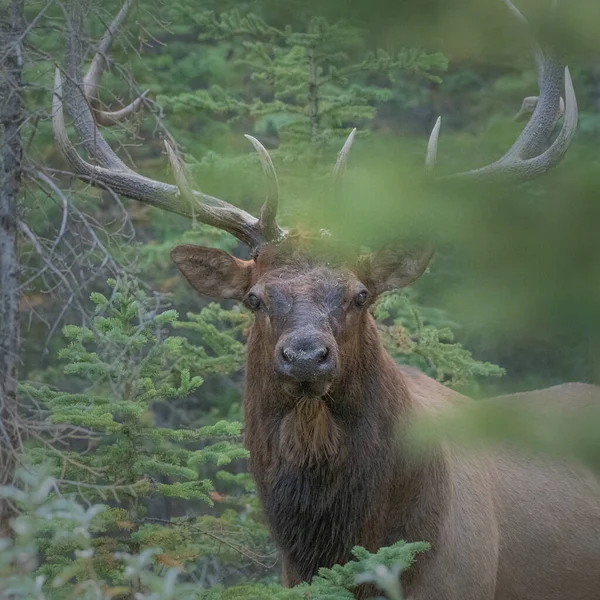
[(91, 81), (530, 156), (111, 172)]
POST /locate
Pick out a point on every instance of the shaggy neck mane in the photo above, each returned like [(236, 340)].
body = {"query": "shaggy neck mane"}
[(309, 434)]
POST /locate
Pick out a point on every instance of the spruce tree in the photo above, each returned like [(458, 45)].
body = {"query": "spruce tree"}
[(119, 373), (312, 85), (301, 89)]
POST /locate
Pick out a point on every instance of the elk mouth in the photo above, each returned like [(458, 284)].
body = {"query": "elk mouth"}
[(307, 389), (314, 389)]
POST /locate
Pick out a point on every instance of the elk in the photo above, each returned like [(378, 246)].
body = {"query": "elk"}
[(328, 411)]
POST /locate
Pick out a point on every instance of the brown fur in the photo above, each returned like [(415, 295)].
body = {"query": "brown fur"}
[(334, 470), (309, 434)]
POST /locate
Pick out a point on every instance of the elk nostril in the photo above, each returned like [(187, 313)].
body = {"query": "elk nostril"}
[(287, 354), (322, 355)]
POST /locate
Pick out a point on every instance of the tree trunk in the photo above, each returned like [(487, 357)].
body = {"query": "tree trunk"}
[(11, 120), (313, 94)]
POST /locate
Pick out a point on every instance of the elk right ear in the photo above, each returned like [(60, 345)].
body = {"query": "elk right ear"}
[(395, 266), (213, 272)]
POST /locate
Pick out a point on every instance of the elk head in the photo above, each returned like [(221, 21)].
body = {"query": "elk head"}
[(311, 311)]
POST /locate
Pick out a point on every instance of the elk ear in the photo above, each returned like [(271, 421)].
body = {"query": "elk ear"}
[(213, 272), (395, 266)]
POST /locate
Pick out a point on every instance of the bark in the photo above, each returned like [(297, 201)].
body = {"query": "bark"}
[(11, 119)]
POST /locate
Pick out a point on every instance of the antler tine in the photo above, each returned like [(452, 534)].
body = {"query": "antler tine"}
[(517, 164), (432, 146), (342, 159), (528, 106), (538, 55), (268, 213), (91, 81), (530, 155), (108, 118), (226, 217), (181, 179)]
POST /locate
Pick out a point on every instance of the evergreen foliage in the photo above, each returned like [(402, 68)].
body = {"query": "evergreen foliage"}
[(423, 337), (126, 366), (145, 575)]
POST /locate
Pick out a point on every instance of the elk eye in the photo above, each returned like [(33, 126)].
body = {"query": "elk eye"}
[(252, 301), (361, 298)]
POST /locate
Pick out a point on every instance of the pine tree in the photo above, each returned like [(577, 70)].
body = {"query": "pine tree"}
[(125, 367), (308, 86), (312, 84)]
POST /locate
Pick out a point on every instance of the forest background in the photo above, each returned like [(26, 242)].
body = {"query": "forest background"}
[(121, 444)]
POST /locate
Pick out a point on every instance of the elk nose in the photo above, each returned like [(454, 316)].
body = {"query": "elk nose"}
[(304, 360)]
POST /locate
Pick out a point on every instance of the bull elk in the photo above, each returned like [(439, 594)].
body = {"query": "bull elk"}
[(327, 409)]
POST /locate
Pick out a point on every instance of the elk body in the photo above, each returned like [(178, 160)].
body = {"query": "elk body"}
[(328, 411), (327, 414)]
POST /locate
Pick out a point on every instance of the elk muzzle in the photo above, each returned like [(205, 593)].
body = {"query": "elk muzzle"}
[(307, 361)]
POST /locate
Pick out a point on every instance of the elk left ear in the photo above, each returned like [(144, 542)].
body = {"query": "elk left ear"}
[(213, 272), (395, 266)]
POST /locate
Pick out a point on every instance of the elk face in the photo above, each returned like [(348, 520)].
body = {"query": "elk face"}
[(310, 316)]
